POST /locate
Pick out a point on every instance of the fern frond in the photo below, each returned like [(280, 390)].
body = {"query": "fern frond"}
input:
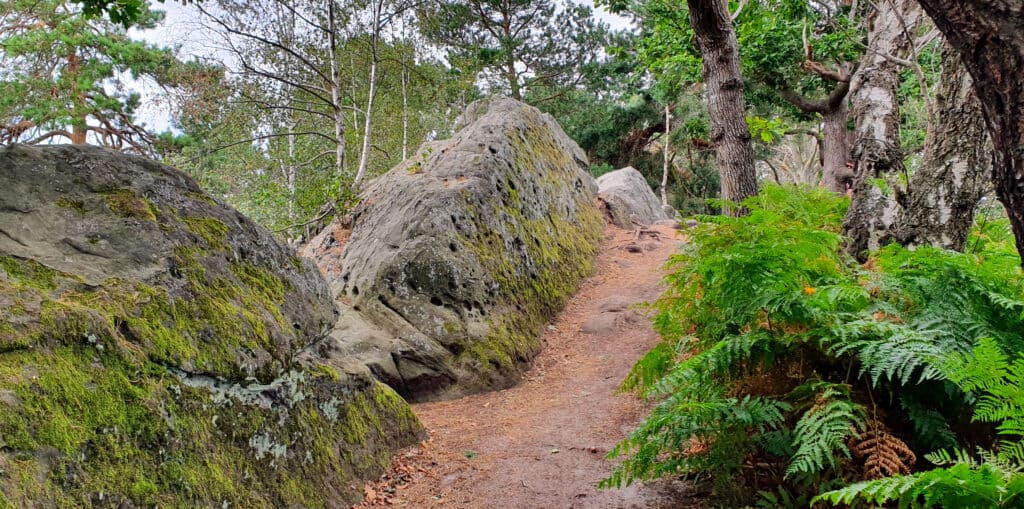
[(890, 351), (884, 455), (820, 434), (931, 427), (959, 486), (876, 492)]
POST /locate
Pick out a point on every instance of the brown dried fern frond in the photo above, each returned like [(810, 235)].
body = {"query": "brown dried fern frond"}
[(884, 455)]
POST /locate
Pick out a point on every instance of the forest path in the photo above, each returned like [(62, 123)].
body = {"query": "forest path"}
[(544, 442)]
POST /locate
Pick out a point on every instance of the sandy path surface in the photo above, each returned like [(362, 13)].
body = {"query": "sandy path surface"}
[(543, 443)]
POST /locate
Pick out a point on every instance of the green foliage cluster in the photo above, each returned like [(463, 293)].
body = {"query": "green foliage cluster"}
[(66, 73), (779, 346), (991, 478)]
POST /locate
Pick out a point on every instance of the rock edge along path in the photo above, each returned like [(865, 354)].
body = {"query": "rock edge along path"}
[(543, 443)]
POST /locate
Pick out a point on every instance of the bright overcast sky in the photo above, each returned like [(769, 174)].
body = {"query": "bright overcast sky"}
[(181, 29)]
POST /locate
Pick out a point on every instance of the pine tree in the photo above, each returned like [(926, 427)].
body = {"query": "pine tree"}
[(66, 76)]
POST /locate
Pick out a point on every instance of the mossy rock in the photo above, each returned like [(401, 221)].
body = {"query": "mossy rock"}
[(463, 252), (157, 348)]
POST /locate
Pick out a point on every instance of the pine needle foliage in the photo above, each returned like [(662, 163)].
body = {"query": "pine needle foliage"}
[(775, 343)]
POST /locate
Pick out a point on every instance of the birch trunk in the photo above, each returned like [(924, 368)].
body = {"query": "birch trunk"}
[(664, 170), (405, 113), (339, 113), (877, 158), (364, 155), (943, 194)]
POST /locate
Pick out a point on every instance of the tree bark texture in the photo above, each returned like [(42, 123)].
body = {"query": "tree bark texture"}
[(943, 194), (836, 175), (835, 112), (716, 40), (876, 154), (989, 36)]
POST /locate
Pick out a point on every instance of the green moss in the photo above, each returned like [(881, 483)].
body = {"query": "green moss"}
[(75, 205), (203, 197), (297, 264), (28, 272), (94, 400), (127, 203), (154, 441), (212, 231), (560, 254)]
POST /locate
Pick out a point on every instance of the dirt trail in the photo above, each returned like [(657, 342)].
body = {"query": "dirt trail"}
[(543, 443)]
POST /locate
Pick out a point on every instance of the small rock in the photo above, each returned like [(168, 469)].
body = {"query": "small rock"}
[(10, 399)]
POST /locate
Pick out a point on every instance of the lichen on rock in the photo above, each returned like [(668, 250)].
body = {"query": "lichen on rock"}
[(157, 348), (460, 254)]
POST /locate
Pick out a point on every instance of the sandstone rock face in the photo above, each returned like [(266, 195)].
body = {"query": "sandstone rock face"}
[(157, 348), (459, 255), (629, 199)]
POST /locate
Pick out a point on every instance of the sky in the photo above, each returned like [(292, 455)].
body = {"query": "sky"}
[(180, 28)]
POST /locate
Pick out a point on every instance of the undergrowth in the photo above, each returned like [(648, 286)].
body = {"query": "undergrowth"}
[(786, 364)]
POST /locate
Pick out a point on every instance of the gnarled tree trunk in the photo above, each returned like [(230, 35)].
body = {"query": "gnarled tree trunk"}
[(876, 153), (836, 146), (943, 194), (716, 40), (989, 35)]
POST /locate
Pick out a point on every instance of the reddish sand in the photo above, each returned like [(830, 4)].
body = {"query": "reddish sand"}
[(543, 443)]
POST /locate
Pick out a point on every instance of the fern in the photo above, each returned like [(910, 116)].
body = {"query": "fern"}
[(758, 304), (958, 487), (931, 427), (996, 480), (650, 368), (988, 370), (683, 436), (889, 351), (822, 431)]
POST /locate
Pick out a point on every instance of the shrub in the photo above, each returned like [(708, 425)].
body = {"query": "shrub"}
[(779, 347)]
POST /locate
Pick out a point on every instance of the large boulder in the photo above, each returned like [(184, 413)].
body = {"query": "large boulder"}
[(157, 348), (628, 200), (459, 255)]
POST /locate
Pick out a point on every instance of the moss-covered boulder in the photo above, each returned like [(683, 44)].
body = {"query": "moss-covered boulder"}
[(459, 255), (157, 348)]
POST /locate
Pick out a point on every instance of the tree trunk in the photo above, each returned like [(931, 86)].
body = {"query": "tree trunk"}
[(877, 158), (339, 113), (716, 40), (664, 169), (364, 155), (513, 80), (837, 176), (943, 194), (989, 36), (293, 171), (405, 113)]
